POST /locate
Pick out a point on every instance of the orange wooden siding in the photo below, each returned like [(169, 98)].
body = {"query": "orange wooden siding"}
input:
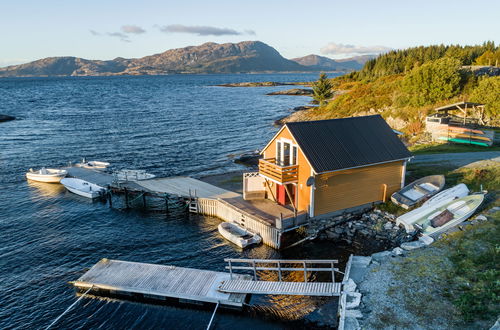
[(349, 188)]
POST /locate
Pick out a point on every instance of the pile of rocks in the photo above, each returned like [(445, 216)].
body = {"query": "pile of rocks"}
[(373, 225)]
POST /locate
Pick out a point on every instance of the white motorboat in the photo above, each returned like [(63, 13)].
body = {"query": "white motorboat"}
[(49, 175), (445, 196), (438, 219), (238, 235), (82, 187), (418, 190), (93, 164), (133, 175)]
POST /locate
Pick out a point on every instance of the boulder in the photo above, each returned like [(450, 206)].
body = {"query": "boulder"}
[(412, 245), (353, 299), (426, 239), (350, 286), (351, 323), (397, 251), (381, 256), (481, 218), (494, 209), (388, 226)]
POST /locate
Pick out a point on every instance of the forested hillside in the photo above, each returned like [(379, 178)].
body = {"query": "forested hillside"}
[(404, 85)]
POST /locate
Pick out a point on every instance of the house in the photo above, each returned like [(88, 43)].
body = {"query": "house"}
[(328, 166)]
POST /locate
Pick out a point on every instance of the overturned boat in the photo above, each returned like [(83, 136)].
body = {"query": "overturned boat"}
[(418, 190), (93, 164), (408, 219), (83, 188), (48, 175), (133, 175), (238, 235)]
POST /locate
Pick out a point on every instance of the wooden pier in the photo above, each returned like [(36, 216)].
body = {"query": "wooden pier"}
[(160, 282), (266, 218)]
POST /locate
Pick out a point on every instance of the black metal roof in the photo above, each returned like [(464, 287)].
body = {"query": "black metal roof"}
[(337, 144)]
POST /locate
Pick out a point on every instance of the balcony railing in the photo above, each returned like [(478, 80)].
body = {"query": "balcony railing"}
[(281, 174)]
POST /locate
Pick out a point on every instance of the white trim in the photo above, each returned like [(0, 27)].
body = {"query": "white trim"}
[(350, 168), (311, 198), (403, 174)]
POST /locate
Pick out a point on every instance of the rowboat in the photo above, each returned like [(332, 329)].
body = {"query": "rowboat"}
[(467, 141), (133, 175), (460, 129), (94, 164), (408, 219), (418, 191), (438, 220), (238, 235), (49, 175), (83, 188), (467, 136)]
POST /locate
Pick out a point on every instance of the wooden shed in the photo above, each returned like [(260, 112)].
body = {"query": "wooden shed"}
[(327, 166)]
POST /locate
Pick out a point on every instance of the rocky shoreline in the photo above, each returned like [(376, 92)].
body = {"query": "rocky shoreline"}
[(293, 91), (263, 84)]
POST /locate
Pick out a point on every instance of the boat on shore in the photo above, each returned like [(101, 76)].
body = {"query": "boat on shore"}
[(445, 196), (83, 188), (439, 219), (418, 190), (48, 175), (238, 235)]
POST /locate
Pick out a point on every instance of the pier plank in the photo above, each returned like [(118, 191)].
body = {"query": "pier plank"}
[(281, 288)]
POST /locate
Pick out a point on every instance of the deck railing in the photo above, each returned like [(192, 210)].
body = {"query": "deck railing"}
[(281, 174)]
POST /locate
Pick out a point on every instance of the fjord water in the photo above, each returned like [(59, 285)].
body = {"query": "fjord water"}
[(167, 125)]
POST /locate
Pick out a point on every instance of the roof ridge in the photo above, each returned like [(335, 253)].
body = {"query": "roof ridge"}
[(332, 119)]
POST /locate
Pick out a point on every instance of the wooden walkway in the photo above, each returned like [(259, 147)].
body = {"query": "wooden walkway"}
[(94, 176), (282, 288), (160, 282)]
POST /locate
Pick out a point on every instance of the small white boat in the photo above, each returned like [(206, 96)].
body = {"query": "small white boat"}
[(418, 190), (94, 164), (49, 175), (438, 220), (238, 235), (83, 188), (133, 175), (445, 196)]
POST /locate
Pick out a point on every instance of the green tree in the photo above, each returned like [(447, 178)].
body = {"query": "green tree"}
[(322, 89), (488, 93), (432, 82)]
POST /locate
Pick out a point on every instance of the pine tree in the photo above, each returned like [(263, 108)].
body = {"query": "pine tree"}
[(322, 89)]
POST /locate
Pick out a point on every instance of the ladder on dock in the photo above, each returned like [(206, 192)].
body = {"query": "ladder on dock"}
[(281, 287), (193, 203)]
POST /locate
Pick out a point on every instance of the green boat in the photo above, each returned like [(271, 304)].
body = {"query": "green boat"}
[(467, 141)]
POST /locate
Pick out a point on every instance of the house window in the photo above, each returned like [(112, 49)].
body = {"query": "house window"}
[(279, 159), (294, 156), (286, 153)]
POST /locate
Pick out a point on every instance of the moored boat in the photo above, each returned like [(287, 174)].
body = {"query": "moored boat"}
[(83, 188), (238, 235), (94, 164), (48, 175), (418, 191), (438, 219), (445, 196), (133, 175)]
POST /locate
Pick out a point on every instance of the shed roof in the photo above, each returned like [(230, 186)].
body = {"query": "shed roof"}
[(337, 144), (458, 106)]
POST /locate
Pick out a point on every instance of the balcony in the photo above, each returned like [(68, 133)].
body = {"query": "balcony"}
[(269, 169)]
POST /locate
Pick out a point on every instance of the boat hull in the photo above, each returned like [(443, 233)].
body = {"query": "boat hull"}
[(418, 190), (83, 188), (51, 175), (237, 239)]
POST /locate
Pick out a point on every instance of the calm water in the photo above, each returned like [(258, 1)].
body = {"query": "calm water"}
[(169, 125)]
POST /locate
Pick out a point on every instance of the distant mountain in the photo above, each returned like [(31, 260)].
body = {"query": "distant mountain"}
[(247, 56), (321, 63)]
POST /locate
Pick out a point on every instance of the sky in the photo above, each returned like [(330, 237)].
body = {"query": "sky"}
[(107, 29)]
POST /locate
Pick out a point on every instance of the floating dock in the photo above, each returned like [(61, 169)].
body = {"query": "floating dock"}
[(266, 218), (161, 282)]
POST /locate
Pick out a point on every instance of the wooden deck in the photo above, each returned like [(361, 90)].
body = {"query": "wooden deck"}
[(94, 176), (160, 282), (282, 288)]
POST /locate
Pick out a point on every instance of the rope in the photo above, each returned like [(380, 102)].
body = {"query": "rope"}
[(213, 315), (67, 309)]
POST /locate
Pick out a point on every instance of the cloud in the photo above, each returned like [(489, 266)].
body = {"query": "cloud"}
[(94, 33), (123, 37), (336, 49), (134, 29), (202, 30)]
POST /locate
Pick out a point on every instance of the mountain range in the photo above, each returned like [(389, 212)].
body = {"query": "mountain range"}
[(242, 57)]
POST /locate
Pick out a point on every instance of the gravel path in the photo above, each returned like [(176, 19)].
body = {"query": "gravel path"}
[(457, 159)]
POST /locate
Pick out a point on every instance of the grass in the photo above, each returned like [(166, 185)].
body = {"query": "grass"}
[(437, 148)]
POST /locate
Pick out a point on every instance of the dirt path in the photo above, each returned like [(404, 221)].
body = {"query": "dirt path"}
[(457, 159)]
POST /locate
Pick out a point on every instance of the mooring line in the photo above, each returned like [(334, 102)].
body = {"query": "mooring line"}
[(213, 315), (67, 309)]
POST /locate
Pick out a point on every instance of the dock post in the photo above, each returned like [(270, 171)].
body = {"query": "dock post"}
[(279, 270), (110, 199), (254, 272), (230, 270), (126, 198), (144, 199), (305, 272)]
